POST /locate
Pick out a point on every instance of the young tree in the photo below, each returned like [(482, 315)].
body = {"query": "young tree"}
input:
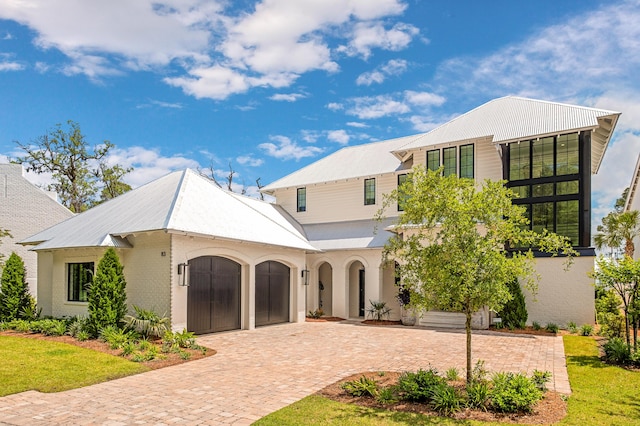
[(452, 244), (14, 290), (77, 172), (107, 297), (514, 312), (623, 277)]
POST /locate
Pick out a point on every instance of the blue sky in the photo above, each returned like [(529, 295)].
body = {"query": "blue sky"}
[(271, 86)]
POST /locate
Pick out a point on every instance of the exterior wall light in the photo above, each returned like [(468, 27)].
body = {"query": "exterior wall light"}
[(305, 275), (182, 271)]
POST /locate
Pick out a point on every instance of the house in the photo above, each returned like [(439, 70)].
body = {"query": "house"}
[(632, 202), (546, 151), (216, 261), (25, 209)]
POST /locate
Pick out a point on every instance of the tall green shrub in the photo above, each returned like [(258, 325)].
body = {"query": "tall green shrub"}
[(107, 298), (14, 291), (514, 312)]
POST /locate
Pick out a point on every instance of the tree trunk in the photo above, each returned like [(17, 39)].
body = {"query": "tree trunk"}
[(626, 326), (468, 330)]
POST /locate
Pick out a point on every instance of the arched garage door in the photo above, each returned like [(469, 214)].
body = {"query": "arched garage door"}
[(272, 293), (213, 301)]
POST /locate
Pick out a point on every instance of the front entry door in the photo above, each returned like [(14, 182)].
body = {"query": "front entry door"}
[(361, 293), (213, 299)]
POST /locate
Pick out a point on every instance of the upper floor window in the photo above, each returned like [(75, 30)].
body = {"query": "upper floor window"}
[(544, 158), (79, 278), (401, 198), (433, 159), (369, 191), (466, 161), (449, 161), (302, 200)]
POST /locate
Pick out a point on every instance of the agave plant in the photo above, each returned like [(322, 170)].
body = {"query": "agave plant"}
[(147, 322)]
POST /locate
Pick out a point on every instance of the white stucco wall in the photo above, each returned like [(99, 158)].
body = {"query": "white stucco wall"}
[(562, 296)]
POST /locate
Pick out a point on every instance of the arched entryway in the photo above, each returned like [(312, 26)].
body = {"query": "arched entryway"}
[(272, 293), (213, 299), (325, 288)]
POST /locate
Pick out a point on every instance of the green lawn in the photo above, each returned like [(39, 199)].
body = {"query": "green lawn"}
[(45, 366), (602, 395)]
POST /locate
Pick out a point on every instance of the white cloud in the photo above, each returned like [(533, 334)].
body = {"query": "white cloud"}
[(369, 107), (214, 48), (339, 136), (161, 104), (370, 35), (423, 98), (285, 149), (422, 123), (11, 66), (392, 68), (250, 161), (287, 97), (335, 106), (357, 124)]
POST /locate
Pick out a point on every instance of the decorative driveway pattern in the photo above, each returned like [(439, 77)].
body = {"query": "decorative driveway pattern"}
[(257, 372)]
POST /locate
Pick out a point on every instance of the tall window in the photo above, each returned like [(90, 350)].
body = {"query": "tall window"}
[(433, 159), (369, 191), (449, 161), (302, 200), (401, 197), (545, 173), (466, 161), (79, 277)]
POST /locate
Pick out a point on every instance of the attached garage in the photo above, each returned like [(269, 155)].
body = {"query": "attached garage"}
[(213, 301), (272, 293)]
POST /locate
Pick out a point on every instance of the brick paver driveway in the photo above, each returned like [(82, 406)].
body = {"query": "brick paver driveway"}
[(259, 371)]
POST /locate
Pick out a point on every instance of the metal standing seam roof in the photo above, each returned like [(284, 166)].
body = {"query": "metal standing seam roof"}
[(180, 202), (513, 118), (370, 159), (501, 120)]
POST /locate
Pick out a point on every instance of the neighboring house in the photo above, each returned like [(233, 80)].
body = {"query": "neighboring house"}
[(547, 151), (216, 261), (25, 209), (633, 202)]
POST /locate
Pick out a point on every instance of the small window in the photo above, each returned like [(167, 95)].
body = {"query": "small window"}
[(302, 199), (466, 161), (79, 278), (433, 159), (449, 161), (401, 197), (369, 191)]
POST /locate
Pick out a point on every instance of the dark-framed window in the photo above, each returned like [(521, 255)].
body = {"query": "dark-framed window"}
[(369, 191), (466, 161), (301, 200), (401, 197), (546, 175), (449, 161), (433, 159), (79, 278)]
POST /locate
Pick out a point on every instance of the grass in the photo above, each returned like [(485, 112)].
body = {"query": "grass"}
[(602, 395), (45, 366)]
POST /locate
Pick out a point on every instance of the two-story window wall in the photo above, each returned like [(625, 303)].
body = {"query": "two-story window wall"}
[(450, 156), (551, 177)]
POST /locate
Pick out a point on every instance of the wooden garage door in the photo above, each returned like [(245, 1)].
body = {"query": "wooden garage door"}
[(272, 293), (213, 301)]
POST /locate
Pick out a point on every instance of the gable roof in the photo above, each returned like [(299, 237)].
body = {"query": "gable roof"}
[(633, 187), (370, 159), (502, 120), (180, 202), (512, 118)]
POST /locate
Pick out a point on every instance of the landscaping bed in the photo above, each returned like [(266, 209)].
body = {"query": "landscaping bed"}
[(550, 409)]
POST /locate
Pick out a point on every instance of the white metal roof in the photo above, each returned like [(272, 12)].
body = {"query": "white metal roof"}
[(357, 234), (370, 159), (512, 118), (180, 202), (501, 120)]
